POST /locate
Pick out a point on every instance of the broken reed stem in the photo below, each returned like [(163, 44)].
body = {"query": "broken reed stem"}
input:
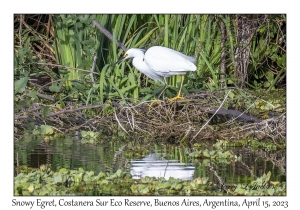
[(116, 117)]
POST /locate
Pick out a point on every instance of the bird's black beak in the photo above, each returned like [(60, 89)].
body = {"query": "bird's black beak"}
[(120, 60)]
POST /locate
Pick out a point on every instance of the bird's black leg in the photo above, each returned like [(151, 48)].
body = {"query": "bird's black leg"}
[(165, 87)]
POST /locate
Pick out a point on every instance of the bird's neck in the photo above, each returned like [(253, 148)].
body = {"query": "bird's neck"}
[(139, 63)]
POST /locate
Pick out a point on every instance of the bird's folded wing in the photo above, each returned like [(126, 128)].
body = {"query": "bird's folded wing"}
[(167, 60)]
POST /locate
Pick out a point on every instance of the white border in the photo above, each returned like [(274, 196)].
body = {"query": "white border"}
[(8, 8)]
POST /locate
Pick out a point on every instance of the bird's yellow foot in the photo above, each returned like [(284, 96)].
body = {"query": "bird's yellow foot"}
[(152, 103), (175, 98)]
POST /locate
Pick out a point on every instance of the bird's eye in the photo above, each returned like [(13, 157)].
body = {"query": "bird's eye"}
[(125, 55)]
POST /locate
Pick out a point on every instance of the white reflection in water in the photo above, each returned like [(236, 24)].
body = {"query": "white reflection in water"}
[(153, 166)]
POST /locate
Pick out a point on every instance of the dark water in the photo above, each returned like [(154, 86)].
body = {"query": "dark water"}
[(159, 161)]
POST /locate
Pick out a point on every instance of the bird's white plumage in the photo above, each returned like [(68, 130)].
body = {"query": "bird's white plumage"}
[(167, 62), (158, 62)]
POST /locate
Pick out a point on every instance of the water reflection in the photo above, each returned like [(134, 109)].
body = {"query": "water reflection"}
[(155, 166), (163, 161)]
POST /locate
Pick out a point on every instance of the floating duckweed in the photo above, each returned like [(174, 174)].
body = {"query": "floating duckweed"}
[(80, 182)]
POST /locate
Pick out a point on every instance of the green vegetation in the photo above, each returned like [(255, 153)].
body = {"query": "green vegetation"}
[(72, 45), (80, 182)]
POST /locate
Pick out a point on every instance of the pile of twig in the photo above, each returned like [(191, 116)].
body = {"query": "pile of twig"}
[(191, 119)]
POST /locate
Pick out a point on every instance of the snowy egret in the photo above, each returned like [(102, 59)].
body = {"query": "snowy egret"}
[(160, 62)]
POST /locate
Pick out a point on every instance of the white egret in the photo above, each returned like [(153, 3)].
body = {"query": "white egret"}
[(160, 62)]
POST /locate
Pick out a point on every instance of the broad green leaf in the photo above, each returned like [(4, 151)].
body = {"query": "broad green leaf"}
[(46, 130), (21, 84)]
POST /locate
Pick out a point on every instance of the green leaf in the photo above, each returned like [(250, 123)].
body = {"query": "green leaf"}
[(206, 153), (101, 175), (271, 191), (164, 185), (55, 87), (144, 190), (79, 86), (267, 84), (83, 133), (270, 76), (32, 94), (45, 111), (46, 130), (57, 178), (231, 95), (21, 84), (119, 173), (30, 188)]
